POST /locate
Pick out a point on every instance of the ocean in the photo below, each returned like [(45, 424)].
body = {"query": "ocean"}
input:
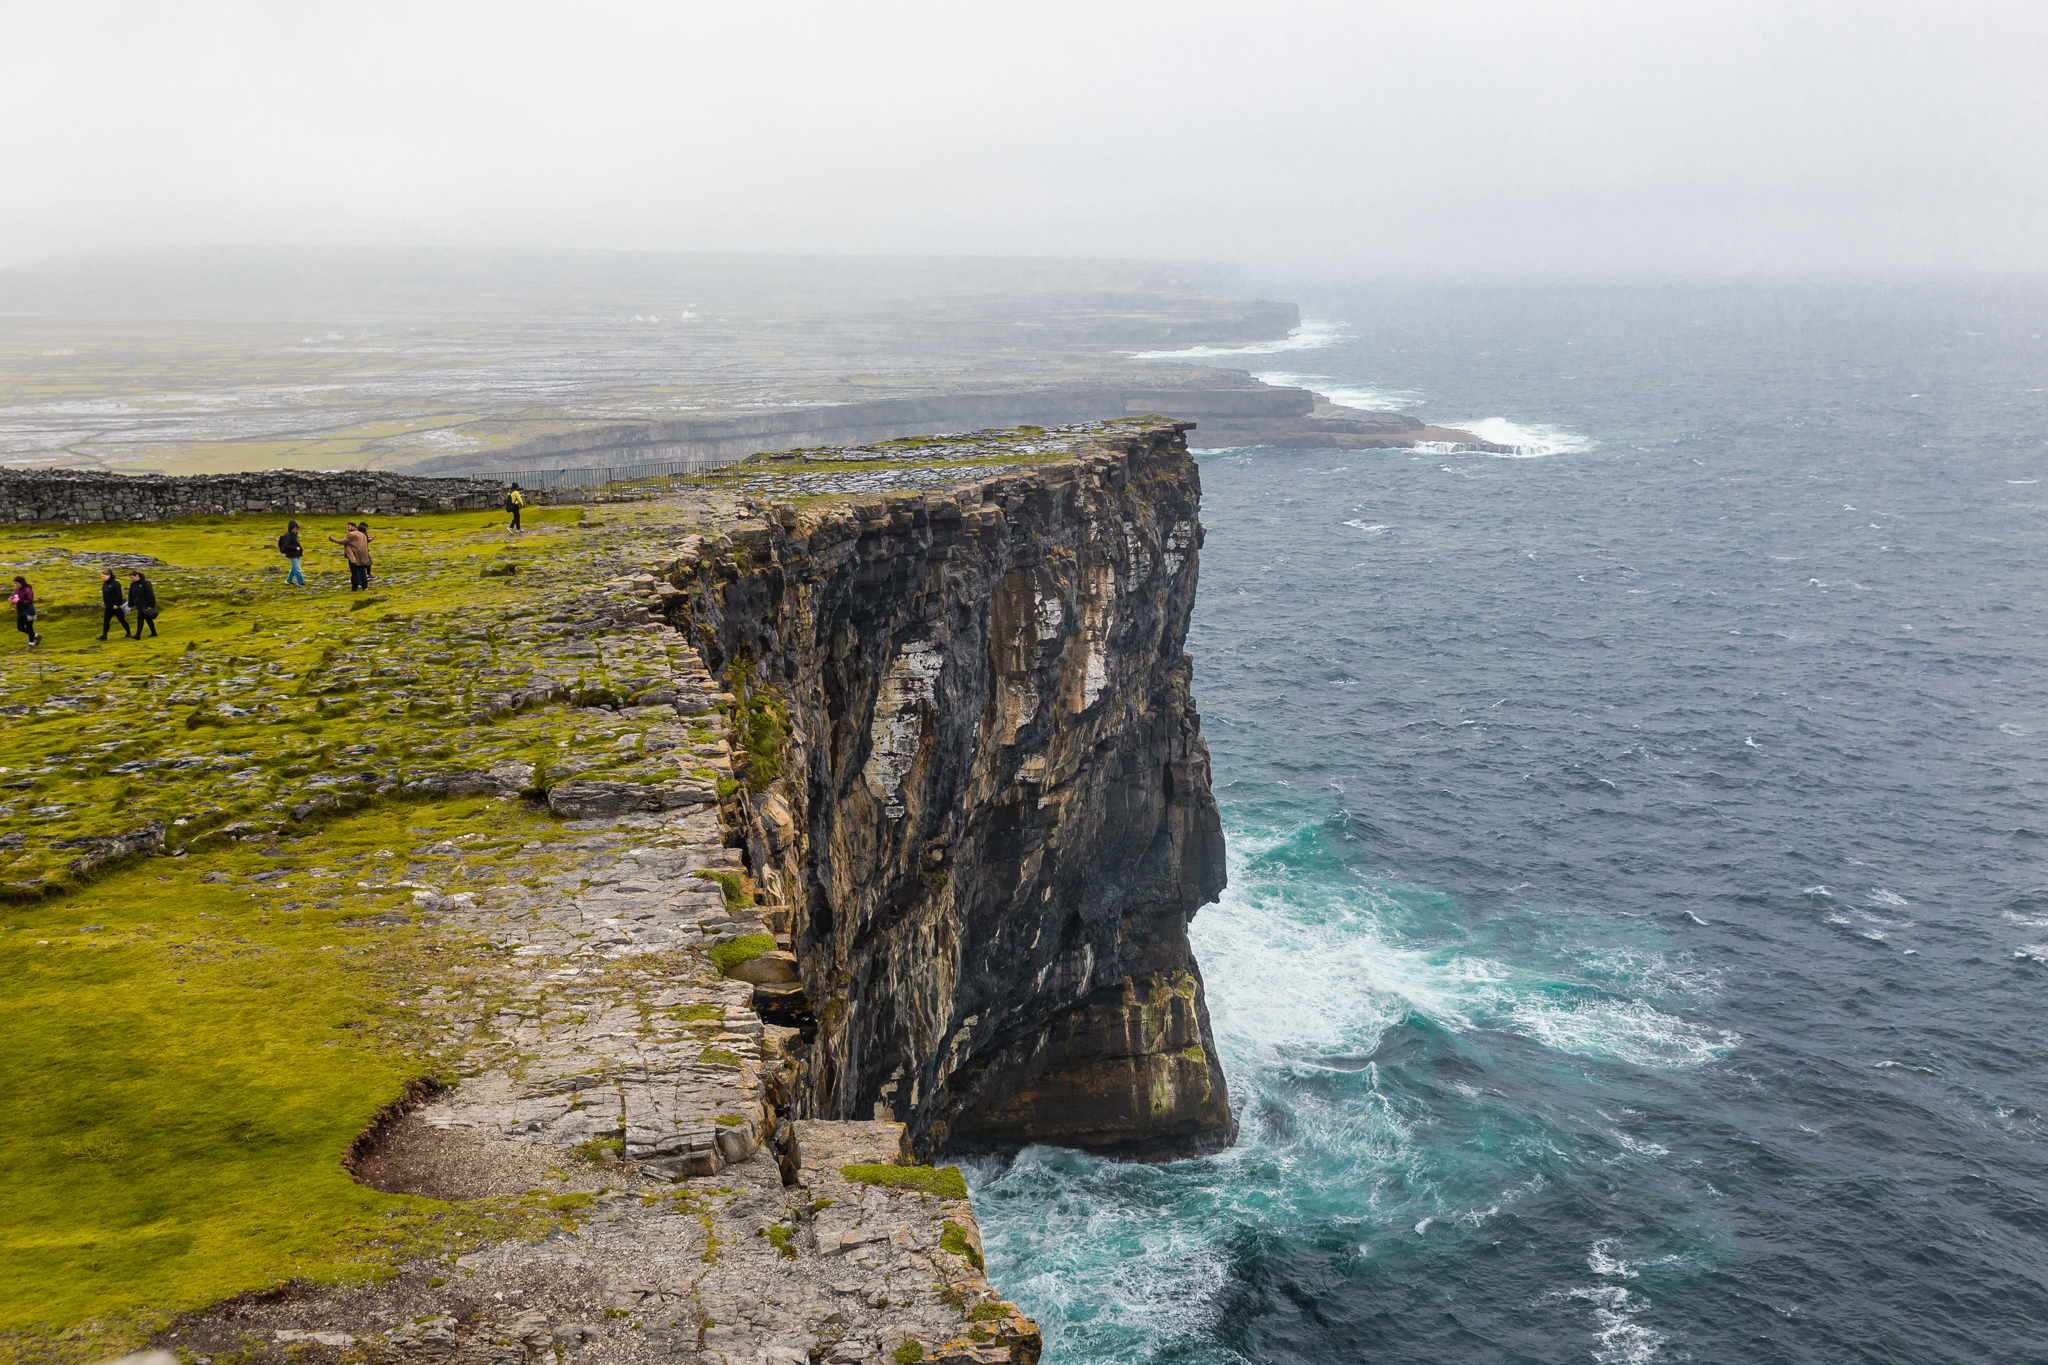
[(1637, 936)]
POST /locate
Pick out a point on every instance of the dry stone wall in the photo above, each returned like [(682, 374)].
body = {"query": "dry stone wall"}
[(69, 495)]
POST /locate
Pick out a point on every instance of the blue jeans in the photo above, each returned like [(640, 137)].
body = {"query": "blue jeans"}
[(296, 575)]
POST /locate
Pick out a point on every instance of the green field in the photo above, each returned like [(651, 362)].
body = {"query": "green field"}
[(189, 1051), (189, 1059)]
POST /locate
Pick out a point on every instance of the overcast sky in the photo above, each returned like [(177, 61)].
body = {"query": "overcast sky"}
[(1306, 141)]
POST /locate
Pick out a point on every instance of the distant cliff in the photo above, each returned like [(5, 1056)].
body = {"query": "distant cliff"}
[(1206, 395), (982, 794)]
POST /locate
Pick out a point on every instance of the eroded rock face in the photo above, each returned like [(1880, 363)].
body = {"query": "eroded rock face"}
[(995, 819)]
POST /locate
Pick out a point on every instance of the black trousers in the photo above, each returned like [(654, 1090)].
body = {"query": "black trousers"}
[(358, 576), (109, 615), (515, 518), (25, 623), (143, 618)]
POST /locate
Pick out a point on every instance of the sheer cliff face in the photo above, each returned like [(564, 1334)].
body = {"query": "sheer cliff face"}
[(994, 820)]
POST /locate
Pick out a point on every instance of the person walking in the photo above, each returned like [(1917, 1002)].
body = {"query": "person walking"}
[(111, 607), (513, 502), (24, 600), (369, 569), (355, 546), (292, 549), (142, 597)]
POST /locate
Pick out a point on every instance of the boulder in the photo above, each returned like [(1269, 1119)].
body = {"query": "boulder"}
[(104, 848), (768, 968)]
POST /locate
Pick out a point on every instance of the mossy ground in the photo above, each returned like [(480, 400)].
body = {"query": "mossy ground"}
[(943, 1181), (728, 955), (192, 1042), (257, 696), (189, 1053)]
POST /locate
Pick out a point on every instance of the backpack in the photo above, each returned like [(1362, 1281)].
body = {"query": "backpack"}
[(509, 503)]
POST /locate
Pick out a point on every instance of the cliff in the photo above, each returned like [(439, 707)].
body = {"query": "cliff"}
[(987, 813), (594, 943)]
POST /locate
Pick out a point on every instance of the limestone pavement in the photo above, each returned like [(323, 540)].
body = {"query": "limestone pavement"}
[(603, 1053)]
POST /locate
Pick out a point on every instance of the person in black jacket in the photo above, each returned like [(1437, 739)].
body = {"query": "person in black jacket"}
[(142, 597), (111, 609), (293, 550), (24, 600)]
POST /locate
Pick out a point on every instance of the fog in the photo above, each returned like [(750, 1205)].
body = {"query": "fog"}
[(1330, 142)]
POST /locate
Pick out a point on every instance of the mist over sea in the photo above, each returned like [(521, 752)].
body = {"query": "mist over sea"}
[(1637, 939)]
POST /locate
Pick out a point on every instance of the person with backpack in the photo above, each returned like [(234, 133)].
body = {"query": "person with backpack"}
[(24, 600), (288, 545), (355, 546), (513, 502), (142, 597), (111, 606)]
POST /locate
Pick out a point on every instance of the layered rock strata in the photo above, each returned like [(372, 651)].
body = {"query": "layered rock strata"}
[(980, 790)]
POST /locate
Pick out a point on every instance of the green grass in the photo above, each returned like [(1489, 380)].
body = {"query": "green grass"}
[(730, 954), (257, 694), (186, 1063), (737, 897), (953, 1238), (187, 1060), (943, 1181)]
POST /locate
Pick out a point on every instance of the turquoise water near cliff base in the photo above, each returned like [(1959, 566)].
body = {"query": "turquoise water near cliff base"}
[(1637, 939)]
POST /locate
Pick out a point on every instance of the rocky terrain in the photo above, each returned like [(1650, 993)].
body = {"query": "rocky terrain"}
[(450, 362), (590, 932)]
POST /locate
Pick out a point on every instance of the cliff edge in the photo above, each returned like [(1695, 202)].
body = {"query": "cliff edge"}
[(976, 786)]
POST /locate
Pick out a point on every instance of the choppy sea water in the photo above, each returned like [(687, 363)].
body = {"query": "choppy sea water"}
[(1637, 939)]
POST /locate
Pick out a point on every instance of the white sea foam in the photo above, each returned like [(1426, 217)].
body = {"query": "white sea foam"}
[(1620, 1338), (1313, 334), (1600, 1263), (1370, 528), (1344, 393), (1307, 978), (1628, 1031), (1889, 898), (1649, 1149), (1530, 440), (1296, 970)]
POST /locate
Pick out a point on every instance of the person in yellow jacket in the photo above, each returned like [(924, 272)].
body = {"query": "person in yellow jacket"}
[(513, 502)]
